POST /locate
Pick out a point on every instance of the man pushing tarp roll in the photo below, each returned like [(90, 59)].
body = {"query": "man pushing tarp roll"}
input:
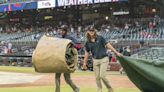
[(147, 75), (57, 55)]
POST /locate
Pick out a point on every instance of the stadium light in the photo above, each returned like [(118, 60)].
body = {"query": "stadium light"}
[(154, 10), (65, 7), (111, 8), (106, 18), (95, 11)]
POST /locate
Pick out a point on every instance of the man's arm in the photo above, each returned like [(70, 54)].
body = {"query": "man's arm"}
[(109, 46), (74, 40)]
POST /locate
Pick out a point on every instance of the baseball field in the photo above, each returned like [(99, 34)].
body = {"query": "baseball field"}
[(25, 79)]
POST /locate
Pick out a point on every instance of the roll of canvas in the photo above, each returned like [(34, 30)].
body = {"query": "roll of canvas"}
[(50, 56)]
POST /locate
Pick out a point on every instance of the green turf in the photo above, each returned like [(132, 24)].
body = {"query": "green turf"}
[(63, 89), (31, 70), (17, 69)]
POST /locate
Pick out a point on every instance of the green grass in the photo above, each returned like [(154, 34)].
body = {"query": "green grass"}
[(63, 89), (17, 69), (31, 70)]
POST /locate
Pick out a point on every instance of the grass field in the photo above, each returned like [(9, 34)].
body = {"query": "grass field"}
[(51, 88), (17, 69), (31, 70)]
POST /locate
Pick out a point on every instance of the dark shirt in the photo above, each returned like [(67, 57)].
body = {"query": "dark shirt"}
[(74, 41), (71, 38), (97, 48)]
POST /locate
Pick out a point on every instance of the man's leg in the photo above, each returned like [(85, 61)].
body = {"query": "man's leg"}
[(96, 68), (103, 71), (57, 81), (68, 80)]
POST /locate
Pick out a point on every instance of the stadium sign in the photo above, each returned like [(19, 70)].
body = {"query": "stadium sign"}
[(49, 4), (73, 2), (121, 13), (18, 6), (80, 2), (5, 2), (46, 4)]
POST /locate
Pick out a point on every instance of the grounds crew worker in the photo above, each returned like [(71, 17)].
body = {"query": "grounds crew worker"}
[(63, 31), (98, 46)]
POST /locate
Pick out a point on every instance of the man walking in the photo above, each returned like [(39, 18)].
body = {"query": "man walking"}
[(63, 31)]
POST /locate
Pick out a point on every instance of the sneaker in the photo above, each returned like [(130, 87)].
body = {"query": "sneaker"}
[(100, 90), (121, 72), (110, 90), (77, 89)]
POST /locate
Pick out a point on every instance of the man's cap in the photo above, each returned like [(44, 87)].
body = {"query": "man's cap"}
[(91, 28), (64, 27)]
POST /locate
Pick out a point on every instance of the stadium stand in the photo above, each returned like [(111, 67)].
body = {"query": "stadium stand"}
[(24, 43)]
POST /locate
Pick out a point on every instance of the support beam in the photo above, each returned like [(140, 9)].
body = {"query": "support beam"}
[(163, 2), (162, 10), (131, 8)]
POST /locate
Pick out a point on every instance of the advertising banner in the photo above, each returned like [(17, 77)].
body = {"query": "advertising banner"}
[(49, 4), (80, 2), (4, 8), (31, 5), (18, 6), (13, 1), (121, 13), (46, 4)]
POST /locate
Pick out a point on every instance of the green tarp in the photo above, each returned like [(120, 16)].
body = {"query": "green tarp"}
[(147, 75)]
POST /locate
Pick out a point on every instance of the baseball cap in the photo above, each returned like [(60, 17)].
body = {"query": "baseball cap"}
[(64, 27), (91, 28)]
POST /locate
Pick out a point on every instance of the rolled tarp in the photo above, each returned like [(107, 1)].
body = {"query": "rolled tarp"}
[(54, 55), (147, 75)]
